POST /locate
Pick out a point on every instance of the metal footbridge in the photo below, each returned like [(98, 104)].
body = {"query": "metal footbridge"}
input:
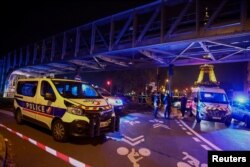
[(178, 32)]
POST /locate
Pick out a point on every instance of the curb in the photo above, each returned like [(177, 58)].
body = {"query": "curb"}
[(55, 153)]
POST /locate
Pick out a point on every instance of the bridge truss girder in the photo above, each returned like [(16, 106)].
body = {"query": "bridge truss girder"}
[(180, 32)]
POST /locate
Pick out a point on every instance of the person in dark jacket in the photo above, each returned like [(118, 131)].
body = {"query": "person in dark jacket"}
[(183, 104), (156, 103), (167, 101)]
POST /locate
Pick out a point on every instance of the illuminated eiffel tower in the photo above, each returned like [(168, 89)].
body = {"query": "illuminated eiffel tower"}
[(206, 76)]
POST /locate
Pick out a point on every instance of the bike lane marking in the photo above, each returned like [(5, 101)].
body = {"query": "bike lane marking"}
[(206, 147), (213, 146), (196, 139), (52, 151)]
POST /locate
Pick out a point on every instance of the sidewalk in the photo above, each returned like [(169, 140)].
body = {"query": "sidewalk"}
[(2, 151)]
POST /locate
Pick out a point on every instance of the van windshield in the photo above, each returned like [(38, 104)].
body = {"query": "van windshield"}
[(103, 92), (75, 90), (212, 97)]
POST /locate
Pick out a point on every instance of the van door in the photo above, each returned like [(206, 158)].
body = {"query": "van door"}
[(45, 113), (26, 97)]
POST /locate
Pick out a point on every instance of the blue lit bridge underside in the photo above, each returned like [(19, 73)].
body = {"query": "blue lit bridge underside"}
[(179, 32)]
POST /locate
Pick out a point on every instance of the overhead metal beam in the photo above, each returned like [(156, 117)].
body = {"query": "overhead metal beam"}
[(43, 51), (112, 60), (34, 53), (63, 66), (196, 58), (20, 57), (152, 18), (27, 55), (177, 21), (161, 51), (99, 63), (102, 37), (182, 52), (53, 47), (64, 45), (84, 63), (207, 50), (92, 40), (223, 44), (77, 42), (125, 27), (152, 56), (230, 55), (215, 14)]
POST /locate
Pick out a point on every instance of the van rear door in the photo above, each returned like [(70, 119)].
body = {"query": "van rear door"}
[(26, 97)]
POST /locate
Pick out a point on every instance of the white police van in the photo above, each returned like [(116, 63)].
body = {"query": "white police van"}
[(66, 107), (211, 103)]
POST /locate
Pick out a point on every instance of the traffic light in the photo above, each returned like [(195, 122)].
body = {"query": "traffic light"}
[(108, 83)]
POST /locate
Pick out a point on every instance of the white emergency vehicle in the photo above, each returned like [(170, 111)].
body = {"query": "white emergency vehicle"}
[(211, 103), (66, 107)]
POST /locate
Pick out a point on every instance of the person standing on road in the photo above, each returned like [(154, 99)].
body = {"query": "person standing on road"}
[(168, 106), (183, 105), (156, 102)]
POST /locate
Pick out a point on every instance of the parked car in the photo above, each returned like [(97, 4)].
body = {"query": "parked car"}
[(114, 101)]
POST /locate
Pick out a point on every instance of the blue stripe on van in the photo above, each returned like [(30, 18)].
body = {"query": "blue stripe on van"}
[(53, 111)]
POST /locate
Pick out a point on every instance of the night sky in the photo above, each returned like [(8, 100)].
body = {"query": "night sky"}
[(24, 22)]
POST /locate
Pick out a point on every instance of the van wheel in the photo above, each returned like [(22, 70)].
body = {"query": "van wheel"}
[(59, 131), (198, 119), (228, 121), (19, 116)]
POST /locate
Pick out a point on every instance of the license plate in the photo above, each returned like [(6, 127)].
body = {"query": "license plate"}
[(218, 118), (104, 124)]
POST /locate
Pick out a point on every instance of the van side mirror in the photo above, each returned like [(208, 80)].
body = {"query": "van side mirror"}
[(195, 99), (50, 97)]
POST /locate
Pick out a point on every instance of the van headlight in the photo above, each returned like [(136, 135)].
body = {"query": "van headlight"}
[(74, 110), (115, 102)]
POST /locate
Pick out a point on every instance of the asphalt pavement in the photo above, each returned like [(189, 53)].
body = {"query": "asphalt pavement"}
[(142, 141)]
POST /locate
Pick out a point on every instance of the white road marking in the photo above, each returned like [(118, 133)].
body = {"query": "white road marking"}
[(189, 133), (160, 125), (196, 139), (133, 144), (183, 128), (134, 139), (206, 147), (122, 151), (202, 138), (9, 113), (155, 121)]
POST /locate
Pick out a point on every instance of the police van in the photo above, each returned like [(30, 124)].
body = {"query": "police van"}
[(211, 103), (66, 107)]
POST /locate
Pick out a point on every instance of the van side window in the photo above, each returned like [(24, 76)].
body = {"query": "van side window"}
[(46, 88), (27, 88)]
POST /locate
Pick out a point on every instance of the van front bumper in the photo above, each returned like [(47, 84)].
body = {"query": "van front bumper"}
[(94, 128), (214, 118)]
